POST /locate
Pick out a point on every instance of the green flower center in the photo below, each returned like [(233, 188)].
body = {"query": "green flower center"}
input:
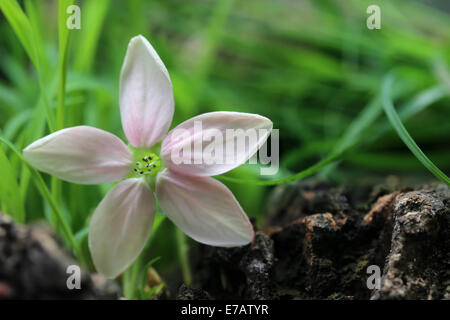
[(149, 164)]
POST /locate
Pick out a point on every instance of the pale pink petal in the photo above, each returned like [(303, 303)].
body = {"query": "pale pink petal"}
[(146, 95), (121, 225), (204, 209), (83, 154), (214, 143)]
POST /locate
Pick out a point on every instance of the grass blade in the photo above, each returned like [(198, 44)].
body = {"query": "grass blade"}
[(25, 32), (354, 135), (42, 187), (21, 26), (404, 134), (64, 40), (94, 13), (298, 176), (10, 197)]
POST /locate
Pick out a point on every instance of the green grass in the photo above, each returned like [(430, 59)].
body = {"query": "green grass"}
[(312, 67), (404, 134)]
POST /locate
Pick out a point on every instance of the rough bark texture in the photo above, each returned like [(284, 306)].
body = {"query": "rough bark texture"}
[(318, 244), (33, 266), (320, 240)]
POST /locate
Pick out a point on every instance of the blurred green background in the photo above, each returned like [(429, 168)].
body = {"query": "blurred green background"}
[(311, 66)]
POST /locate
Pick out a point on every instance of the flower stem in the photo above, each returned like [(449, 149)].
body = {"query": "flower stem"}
[(64, 40), (182, 250), (130, 278)]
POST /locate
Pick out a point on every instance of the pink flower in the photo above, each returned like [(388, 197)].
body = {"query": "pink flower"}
[(201, 206)]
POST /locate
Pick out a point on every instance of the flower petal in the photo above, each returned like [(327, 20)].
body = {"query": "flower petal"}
[(120, 226), (146, 95), (220, 133), (83, 154), (204, 209)]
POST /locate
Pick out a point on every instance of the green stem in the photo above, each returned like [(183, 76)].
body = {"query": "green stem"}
[(130, 280), (64, 41), (48, 113), (131, 275), (56, 187), (182, 250)]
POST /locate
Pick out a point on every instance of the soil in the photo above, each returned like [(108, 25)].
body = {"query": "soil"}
[(33, 265), (319, 242)]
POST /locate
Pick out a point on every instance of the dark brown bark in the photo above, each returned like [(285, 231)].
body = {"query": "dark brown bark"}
[(320, 240), (33, 265)]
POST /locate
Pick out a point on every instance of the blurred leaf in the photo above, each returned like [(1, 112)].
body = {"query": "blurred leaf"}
[(21, 26), (26, 34), (45, 193), (94, 14), (11, 201), (64, 40)]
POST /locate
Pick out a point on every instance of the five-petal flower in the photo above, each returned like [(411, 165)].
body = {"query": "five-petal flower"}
[(201, 206)]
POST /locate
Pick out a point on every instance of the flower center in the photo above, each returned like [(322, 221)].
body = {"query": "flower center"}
[(148, 165)]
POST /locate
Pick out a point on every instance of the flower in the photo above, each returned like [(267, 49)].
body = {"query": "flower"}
[(201, 206)]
